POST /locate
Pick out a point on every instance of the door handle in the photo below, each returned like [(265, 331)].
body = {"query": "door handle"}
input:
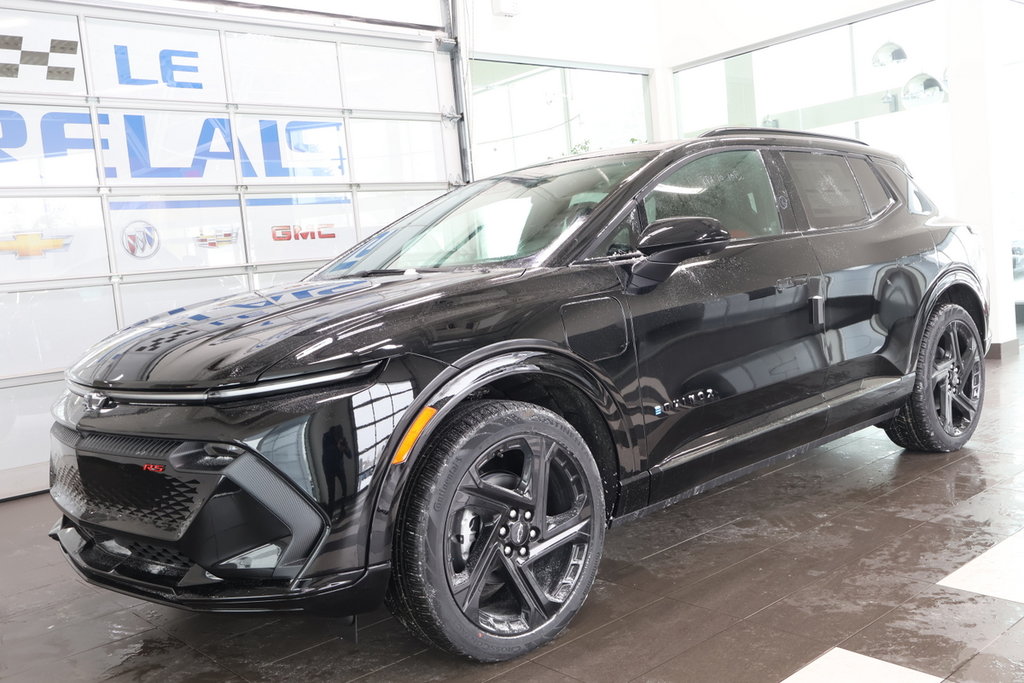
[(791, 281)]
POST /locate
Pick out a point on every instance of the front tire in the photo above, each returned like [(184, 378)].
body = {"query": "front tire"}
[(499, 539), (943, 411)]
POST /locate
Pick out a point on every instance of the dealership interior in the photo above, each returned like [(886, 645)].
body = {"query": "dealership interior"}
[(156, 153)]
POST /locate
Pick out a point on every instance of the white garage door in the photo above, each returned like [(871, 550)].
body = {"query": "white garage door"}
[(150, 159)]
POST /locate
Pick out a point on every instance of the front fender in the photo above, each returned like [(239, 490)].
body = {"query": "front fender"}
[(459, 381)]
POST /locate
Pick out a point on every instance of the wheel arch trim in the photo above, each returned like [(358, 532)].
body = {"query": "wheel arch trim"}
[(954, 276), (467, 375)]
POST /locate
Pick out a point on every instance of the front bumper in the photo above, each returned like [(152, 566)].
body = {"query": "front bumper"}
[(346, 593)]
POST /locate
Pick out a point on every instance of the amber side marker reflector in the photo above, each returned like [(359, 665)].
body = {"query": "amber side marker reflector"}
[(413, 433)]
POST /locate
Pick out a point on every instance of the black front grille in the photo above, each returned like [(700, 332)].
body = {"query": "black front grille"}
[(126, 491)]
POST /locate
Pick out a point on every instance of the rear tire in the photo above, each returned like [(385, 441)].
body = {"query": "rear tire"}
[(943, 411), (500, 535)]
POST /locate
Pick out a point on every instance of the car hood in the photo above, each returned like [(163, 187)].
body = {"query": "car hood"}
[(311, 326)]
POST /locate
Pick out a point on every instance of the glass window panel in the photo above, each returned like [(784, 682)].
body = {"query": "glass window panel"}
[(397, 151), (409, 75), (731, 186), (595, 125), (273, 70), (168, 148), (827, 189), (25, 425), (163, 233), (48, 330), (46, 146), (377, 209), (53, 35), (874, 194), (523, 114), (133, 59), (701, 100), (145, 299), (300, 226), (292, 149), (782, 73), (51, 237)]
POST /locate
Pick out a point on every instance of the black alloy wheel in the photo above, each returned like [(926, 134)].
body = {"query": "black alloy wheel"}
[(943, 410), (500, 537)]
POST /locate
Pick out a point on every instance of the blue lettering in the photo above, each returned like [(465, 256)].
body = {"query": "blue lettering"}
[(168, 67), (124, 71), (297, 133), (13, 133), (55, 140), (142, 165)]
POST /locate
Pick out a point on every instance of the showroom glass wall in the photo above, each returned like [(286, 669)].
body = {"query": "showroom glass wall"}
[(884, 80), (150, 161), (526, 113)]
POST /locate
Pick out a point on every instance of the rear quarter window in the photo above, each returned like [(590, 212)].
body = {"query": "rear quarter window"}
[(875, 194), (827, 189)]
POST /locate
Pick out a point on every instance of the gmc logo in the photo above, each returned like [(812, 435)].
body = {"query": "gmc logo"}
[(287, 233)]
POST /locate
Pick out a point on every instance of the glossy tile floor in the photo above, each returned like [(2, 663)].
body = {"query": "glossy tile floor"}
[(853, 562)]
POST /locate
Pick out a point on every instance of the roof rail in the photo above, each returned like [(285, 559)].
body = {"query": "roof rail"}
[(730, 130)]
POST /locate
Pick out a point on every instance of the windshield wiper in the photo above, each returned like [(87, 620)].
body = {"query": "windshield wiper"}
[(391, 271)]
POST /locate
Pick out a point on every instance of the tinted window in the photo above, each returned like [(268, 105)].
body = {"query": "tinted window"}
[(827, 189), (917, 201), (874, 193), (731, 186)]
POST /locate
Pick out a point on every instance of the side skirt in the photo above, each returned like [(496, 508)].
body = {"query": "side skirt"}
[(754, 467)]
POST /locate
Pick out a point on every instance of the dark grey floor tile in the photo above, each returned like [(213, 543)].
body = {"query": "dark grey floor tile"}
[(839, 605), (434, 666), (933, 495), (26, 644), (753, 584), (998, 510), (928, 552), (639, 538), (534, 673), (380, 646), (150, 657), (686, 563), (937, 630), (606, 602), (994, 466), (249, 653), (636, 643), (744, 653), (1000, 662), (771, 523), (848, 537)]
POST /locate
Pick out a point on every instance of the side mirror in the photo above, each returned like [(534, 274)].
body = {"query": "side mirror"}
[(668, 242)]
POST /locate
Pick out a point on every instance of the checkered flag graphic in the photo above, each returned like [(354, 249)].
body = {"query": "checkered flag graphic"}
[(34, 58)]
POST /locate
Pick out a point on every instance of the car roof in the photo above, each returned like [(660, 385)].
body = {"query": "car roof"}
[(733, 134)]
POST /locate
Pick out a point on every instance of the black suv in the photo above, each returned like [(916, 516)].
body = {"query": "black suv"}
[(449, 415)]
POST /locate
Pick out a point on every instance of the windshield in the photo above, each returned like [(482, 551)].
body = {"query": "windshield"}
[(498, 220)]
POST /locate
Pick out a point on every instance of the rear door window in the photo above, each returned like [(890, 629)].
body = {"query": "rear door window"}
[(827, 189)]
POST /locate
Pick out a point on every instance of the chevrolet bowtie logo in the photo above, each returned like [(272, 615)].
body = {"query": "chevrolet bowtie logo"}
[(30, 244)]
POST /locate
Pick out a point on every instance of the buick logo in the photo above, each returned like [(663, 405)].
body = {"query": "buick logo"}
[(140, 239), (95, 401)]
